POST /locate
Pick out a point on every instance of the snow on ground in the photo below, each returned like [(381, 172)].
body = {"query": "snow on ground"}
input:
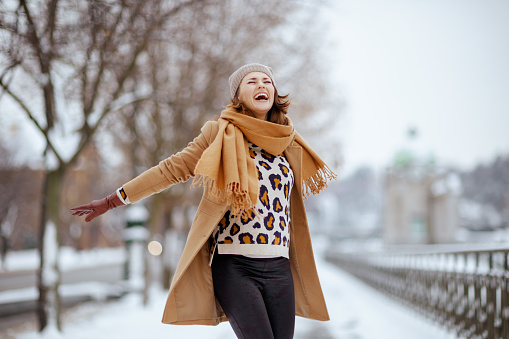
[(68, 259), (356, 311), (96, 290)]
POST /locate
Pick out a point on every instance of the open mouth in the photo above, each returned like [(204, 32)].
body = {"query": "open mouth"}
[(261, 97)]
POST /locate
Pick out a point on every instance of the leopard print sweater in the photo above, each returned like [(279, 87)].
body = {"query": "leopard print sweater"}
[(268, 234)]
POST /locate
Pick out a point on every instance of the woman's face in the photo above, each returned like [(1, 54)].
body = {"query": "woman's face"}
[(256, 92)]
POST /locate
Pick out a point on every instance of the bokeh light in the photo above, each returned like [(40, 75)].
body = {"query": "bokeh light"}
[(155, 248)]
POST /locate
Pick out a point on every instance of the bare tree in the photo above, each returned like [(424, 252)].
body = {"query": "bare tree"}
[(67, 65)]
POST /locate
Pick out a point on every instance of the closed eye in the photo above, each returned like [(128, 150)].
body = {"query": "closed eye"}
[(254, 80)]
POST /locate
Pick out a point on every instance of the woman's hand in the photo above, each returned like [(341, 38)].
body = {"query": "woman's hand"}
[(97, 207)]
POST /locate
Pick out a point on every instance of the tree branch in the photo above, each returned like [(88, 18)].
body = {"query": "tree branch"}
[(87, 136), (31, 117), (87, 131), (174, 11), (52, 18), (33, 37), (44, 61), (6, 71), (90, 104)]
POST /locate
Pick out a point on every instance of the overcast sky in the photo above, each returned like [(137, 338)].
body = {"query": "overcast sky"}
[(441, 66)]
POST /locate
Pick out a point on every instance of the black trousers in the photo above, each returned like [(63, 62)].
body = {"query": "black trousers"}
[(256, 295)]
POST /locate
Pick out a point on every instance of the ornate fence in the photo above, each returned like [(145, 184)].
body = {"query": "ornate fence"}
[(465, 290)]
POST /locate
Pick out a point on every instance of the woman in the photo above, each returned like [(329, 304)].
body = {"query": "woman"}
[(248, 257)]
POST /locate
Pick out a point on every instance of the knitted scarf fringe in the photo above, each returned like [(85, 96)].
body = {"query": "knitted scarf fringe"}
[(318, 182), (239, 201)]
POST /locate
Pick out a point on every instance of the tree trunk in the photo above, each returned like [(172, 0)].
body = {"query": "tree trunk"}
[(167, 267), (48, 308)]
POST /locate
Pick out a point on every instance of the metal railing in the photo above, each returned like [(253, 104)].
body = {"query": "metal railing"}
[(464, 288)]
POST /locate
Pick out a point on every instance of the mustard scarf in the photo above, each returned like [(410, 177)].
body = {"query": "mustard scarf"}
[(227, 170)]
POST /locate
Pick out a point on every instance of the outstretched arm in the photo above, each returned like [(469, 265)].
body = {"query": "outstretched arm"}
[(177, 168)]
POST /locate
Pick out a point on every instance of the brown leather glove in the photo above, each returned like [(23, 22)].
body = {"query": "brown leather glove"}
[(98, 207)]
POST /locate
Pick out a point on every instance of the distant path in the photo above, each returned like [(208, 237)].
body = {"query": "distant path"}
[(18, 290), (108, 273)]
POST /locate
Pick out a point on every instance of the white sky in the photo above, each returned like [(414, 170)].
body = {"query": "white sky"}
[(439, 65)]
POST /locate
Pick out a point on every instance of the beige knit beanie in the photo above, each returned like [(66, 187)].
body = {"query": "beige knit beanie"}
[(239, 74)]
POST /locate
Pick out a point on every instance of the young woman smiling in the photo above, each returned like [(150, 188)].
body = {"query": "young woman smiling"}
[(248, 257)]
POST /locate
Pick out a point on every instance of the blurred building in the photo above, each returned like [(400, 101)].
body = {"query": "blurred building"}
[(421, 202), (20, 202), (348, 208), (20, 207)]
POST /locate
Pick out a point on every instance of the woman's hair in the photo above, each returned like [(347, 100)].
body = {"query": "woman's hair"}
[(277, 113)]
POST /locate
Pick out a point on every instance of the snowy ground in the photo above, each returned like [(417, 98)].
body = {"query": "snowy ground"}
[(356, 311), (69, 258)]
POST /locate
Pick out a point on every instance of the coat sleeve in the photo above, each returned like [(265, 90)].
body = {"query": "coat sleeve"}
[(177, 168)]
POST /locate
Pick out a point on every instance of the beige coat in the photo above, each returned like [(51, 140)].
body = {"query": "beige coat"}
[(191, 299)]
